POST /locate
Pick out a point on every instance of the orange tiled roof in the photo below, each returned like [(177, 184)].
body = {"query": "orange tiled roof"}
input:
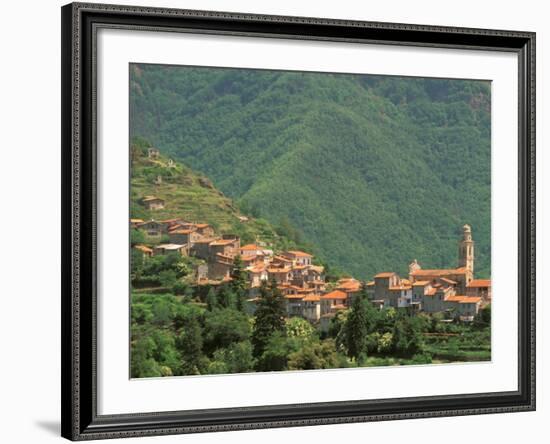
[(282, 259), (441, 272), (479, 283), (221, 242), (179, 231), (350, 285), (278, 270), (430, 292), (299, 253), (470, 300), (250, 247), (421, 283), (385, 274), (311, 298), (205, 241), (463, 299), (336, 294), (294, 296), (143, 248), (202, 225)]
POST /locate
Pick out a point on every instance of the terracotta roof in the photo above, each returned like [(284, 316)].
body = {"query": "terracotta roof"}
[(336, 294), (352, 285), (250, 247), (463, 299), (441, 272), (205, 241), (470, 300), (178, 231), (143, 248), (221, 242), (311, 298), (421, 283), (294, 296), (278, 270), (479, 283), (430, 292), (385, 274), (298, 253), (282, 258), (202, 225)]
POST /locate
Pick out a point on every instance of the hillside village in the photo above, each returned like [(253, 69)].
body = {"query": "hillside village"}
[(454, 291), (307, 292)]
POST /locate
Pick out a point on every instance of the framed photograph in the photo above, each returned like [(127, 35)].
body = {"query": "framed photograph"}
[(282, 221)]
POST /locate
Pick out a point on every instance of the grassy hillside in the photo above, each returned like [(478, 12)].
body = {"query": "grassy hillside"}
[(375, 171), (193, 197)]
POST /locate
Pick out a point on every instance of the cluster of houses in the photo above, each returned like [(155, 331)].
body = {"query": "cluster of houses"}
[(303, 285)]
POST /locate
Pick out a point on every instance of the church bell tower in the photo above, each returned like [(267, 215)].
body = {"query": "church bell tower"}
[(466, 251)]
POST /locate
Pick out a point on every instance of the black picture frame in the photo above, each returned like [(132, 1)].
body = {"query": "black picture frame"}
[(80, 420)]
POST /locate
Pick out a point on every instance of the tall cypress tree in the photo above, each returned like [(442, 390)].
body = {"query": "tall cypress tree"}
[(189, 344), (357, 326), (270, 316), (239, 281)]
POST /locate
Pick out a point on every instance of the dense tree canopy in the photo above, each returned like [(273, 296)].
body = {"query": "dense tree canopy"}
[(334, 159)]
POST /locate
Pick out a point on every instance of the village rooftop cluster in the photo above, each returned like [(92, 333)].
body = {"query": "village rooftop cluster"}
[(302, 283)]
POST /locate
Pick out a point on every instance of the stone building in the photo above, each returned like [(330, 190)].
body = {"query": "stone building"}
[(153, 153), (153, 203)]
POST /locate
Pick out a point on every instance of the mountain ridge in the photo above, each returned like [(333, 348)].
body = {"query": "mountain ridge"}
[(375, 171)]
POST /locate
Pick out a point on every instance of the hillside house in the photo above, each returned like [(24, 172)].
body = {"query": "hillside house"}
[(201, 248), (334, 301), (229, 245), (256, 275), (298, 257), (182, 250), (152, 228), (153, 203), (134, 223), (147, 252), (204, 229), (281, 275), (180, 236), (480, 288), (153, 153), (311, 307), (392, 291), (220, 267)]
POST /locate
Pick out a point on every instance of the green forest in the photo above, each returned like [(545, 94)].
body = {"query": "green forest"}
[(210, 333), (373, 171)]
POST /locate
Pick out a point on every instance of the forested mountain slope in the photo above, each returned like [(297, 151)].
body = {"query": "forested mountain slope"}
[(375, 171)]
